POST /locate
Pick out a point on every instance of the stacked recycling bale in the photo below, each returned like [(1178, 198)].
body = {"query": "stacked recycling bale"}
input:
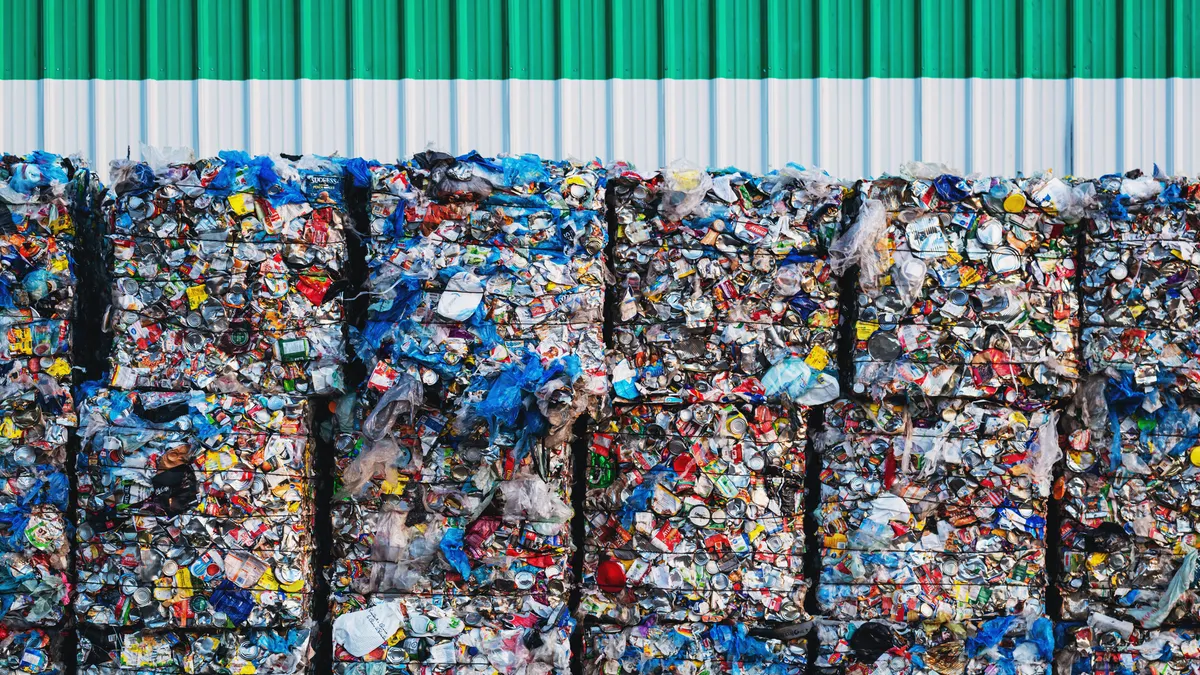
[(1129, 535), (935, 479), (725, 332), (195, 469), (483, 344), (42, 197)]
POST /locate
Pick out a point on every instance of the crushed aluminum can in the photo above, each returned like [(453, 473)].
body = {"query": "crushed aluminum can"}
[(966, 289), (196, 510), (654, 648), (934, 511), (695, 513), (724, 290), (227, 275)]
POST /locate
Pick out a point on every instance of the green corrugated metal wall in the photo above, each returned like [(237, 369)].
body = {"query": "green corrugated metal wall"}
[(594, 39)]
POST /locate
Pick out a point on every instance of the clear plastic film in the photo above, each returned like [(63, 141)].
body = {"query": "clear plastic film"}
[(483, 344), (933, 511), (722, 276), (196, 510), (227, 274), (968, 289)]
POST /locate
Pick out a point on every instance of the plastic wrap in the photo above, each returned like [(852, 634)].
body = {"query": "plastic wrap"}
[(196, 510), (483, 345), (932, 511), (227, 275), (722, 275), (1142, 281), (978, 299), (654, 648), (1128, 536), (695, 513)]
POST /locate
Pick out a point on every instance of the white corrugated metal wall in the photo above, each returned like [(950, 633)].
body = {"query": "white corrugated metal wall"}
[(851, 128)]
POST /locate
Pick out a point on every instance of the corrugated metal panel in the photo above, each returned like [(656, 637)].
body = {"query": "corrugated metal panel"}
[(636, 39), (855, 86), (849, 126)]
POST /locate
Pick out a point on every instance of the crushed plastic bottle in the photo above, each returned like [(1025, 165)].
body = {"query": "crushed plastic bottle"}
[(721, 277), (655, 648), (695, 513), (1142, 281), (967, 288), (196, 510), (934, 511), (109, 651), (227, 274)]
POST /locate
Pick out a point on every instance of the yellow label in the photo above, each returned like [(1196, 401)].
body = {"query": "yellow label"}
[(397, 637), (20, 340), (1096, 559), (9, 428), (818, 358), (969, 276), (59, 265), (1194, 455), (183, 582), (196, 296), (60, 368), (247, 669), (865, 329), (268, 580), (394, 485), (241, 202)]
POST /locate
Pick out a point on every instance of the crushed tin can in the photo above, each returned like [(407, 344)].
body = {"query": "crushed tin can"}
[(196, 510), (654, 648), (111, 651), (410, 635), (934, 511), (43, 200), (32, 650), (1022, 645), (1141, 281), (724, 290), (227, 274), (1128, 532), (966, 287), (695, 513), (1108, 646), (483, 344)]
